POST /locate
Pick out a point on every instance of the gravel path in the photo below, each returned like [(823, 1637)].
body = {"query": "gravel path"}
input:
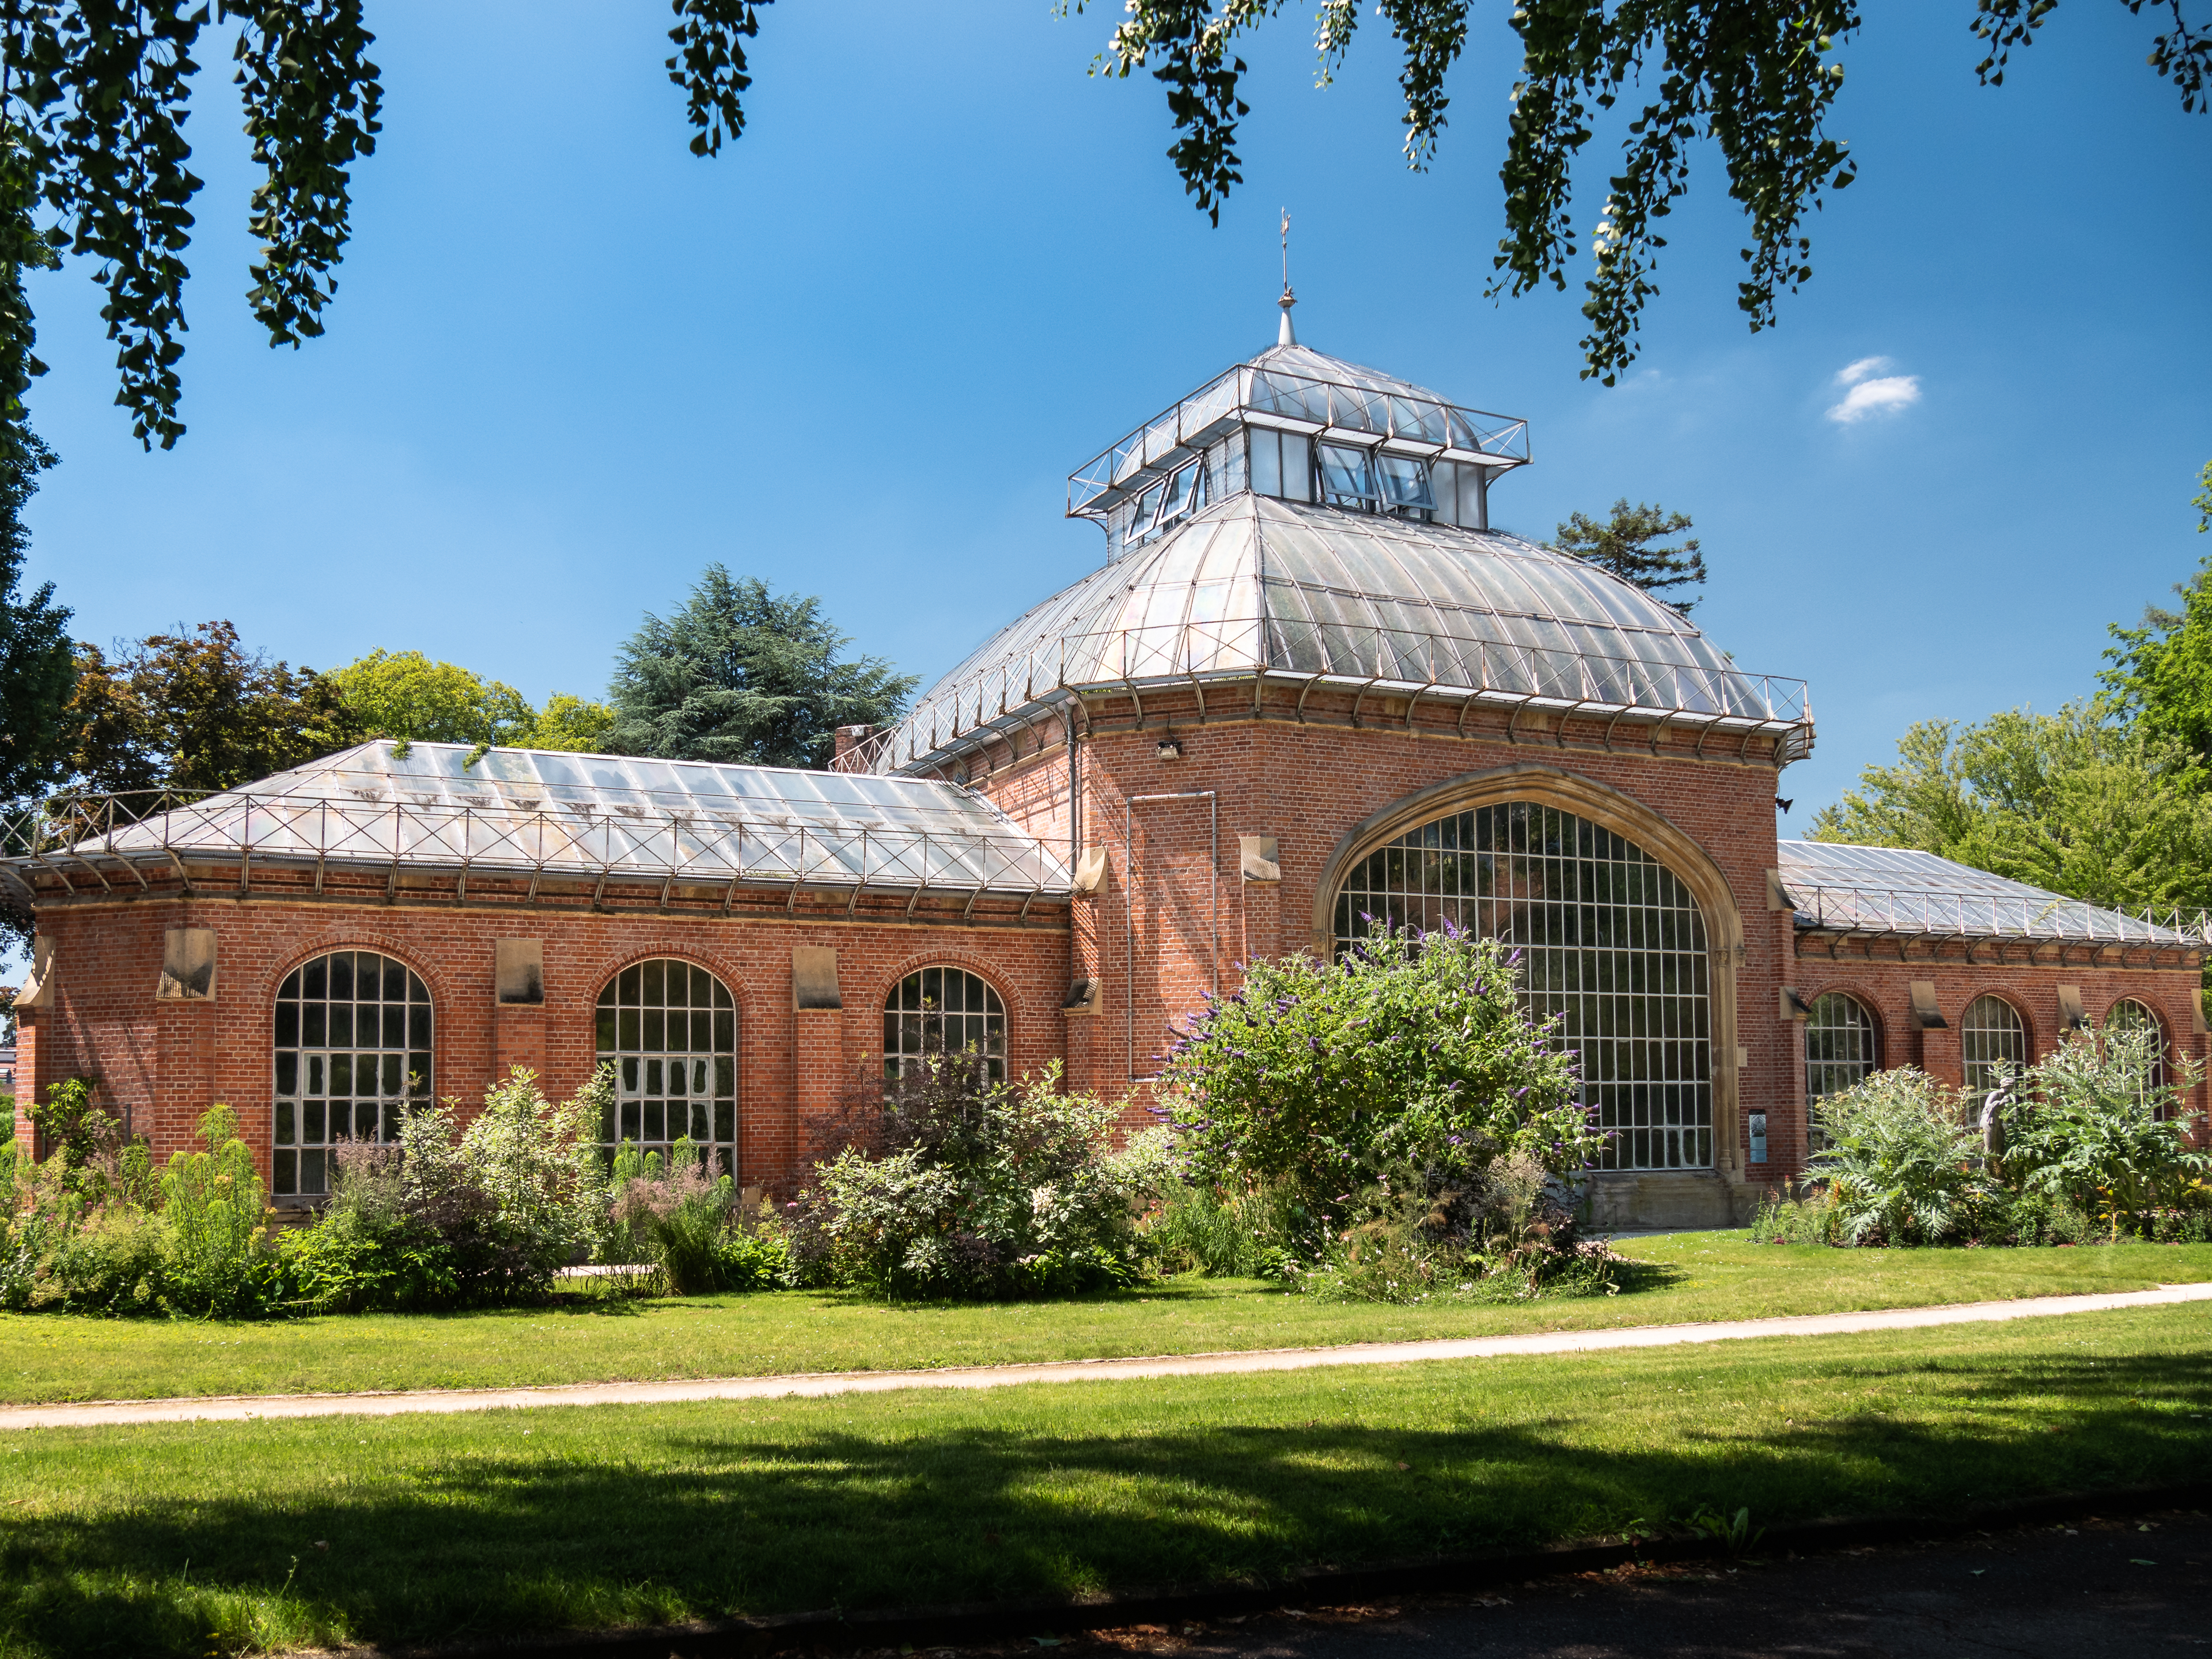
[(240, 1407)]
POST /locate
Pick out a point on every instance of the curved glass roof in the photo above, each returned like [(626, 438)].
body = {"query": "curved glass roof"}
[(562, 814), (1255, 584)]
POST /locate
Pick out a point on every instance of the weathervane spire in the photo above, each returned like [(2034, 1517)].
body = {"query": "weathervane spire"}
[(1286, 335)]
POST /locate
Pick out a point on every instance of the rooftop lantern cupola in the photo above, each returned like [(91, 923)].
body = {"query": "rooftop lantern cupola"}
[(1300, 426)]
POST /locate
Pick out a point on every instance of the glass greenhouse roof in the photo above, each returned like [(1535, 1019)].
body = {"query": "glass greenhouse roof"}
[(1895, 890), (1258, 585), (1295, 389), (559, 814)]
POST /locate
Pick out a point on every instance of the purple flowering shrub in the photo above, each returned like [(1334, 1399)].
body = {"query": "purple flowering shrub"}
[(1412, 1048), (1386, 1093)]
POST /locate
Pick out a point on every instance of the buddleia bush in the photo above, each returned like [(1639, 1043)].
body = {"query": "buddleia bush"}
[(1403, 1124)]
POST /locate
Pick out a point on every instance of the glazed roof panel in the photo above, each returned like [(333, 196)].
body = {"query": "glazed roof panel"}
[(1840, 887), (565, 814)]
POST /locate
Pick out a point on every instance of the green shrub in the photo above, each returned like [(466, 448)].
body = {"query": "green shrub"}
[(675, 1217), (2082, 1129), (22, 1229), (114, 1263), (1899, 1166), (970, 1187), (1411, 1062), (375, 1250), (214, 1211)]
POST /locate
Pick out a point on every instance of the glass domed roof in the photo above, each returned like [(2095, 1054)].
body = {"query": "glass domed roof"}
[(1256, 585)]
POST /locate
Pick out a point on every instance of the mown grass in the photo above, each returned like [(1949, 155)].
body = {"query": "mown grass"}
[(177, 1539), (1684, 1277)]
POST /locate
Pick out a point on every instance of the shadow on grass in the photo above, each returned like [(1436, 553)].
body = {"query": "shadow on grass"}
[(613, 1520)]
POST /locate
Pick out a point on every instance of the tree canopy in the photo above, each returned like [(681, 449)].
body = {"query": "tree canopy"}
[(406, 694), (747, 675), (1623, 545), (2109, 800), (2073, 803), (195, 710)]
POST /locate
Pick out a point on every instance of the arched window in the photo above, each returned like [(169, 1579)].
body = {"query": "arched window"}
[(2129, 1018), (943, 1010), (353, 1051), (1839, 1051), (1992, 1039), (1614, 943), (670, 1030)]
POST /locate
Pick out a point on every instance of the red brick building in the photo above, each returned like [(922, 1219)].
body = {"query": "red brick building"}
[(1308, 687)]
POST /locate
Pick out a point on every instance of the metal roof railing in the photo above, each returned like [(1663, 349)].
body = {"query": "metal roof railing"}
[(1395, 661), (1302, 402), (108, 843), (1969, 914)]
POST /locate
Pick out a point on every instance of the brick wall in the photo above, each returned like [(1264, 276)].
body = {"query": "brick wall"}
[(162, 1063)]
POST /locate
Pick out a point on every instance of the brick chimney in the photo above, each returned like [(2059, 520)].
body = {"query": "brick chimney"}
[(849, 738)]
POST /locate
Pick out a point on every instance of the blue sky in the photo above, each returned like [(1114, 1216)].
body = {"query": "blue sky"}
[(569, 363)]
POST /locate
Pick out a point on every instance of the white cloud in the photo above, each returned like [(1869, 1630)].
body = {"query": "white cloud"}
[(1873, 393)]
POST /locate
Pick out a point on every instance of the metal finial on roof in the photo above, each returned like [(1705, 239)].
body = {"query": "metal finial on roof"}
[(1286, 335)]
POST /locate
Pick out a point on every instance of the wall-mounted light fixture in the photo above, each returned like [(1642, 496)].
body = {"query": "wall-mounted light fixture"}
[(1171, 748)]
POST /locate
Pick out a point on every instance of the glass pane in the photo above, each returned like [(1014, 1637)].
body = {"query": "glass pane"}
[(395, 981), (341, 1025), (656, 992), (291, 985), (287, 1074), (316, 979), (606, 1026), (288, 1123), (1405, 481), (287, 1179), (1613, 945), (287, 1025), (340, 975), (314, 1024)]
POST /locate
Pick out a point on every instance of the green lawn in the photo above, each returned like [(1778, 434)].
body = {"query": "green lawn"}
[(1689, 1276), (184, 1539)]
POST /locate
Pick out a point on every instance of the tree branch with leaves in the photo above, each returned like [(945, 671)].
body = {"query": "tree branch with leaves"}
[(1756, 78)]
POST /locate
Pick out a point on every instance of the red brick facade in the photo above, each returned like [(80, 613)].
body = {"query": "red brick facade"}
[(1326, 775)]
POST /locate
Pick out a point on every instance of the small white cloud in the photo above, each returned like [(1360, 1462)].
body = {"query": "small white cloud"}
[(1873, 393), (1858, 371)]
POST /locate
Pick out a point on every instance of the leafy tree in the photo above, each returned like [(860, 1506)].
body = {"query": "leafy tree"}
[(1756, 78), (1623, 545), (36, 659), (744, 675), (2111, 814), (406, 696), (195, 710), (572, 723), (2160, 673), (93, 106)]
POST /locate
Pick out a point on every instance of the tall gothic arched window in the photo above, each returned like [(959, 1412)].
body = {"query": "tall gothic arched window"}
[(1612, 940)]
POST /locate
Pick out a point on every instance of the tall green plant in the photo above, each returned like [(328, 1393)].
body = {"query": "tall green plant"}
[(215, 1210), (2086, 1128), (1899, 1163)]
